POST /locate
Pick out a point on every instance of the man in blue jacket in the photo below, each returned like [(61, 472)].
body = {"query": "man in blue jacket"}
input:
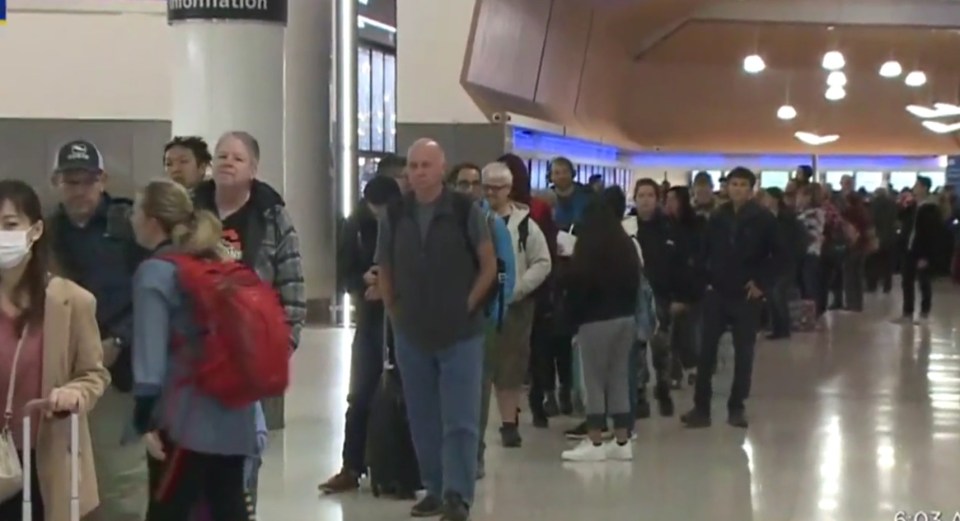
[(465, 178), (741, 262)]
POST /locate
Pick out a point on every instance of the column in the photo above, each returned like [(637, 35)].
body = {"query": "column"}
[(228, 73), (310, 188)]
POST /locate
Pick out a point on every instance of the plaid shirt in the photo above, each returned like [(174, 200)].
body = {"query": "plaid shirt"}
[(279, 263)]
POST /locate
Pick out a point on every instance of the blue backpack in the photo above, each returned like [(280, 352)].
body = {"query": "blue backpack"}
[(506, 265), (646, 314)]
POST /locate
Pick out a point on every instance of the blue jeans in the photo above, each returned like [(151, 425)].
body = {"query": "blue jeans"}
[(443, 392)]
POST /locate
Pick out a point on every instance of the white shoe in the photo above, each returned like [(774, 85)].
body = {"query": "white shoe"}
[(586, 451), (618, 452)]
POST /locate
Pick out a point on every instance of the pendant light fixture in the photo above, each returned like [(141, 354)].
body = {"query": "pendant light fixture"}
[(916, 79), (891, 69), (835, 93), (754, 64)]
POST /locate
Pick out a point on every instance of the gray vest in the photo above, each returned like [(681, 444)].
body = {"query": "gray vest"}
[(432, 277)]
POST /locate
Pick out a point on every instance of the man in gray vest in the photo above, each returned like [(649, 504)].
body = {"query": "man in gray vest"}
[(437, 269)]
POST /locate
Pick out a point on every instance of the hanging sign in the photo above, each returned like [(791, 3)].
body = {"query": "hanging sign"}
[(274, 11)]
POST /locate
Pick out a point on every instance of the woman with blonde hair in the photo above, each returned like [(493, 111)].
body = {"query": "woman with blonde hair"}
[(197, 446), (50, 355)]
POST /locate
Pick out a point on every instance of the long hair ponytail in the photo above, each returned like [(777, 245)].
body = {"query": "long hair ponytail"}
[(192, 231)]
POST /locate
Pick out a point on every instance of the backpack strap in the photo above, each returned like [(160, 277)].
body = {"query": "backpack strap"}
[(523, 231), (639, 249), (462, 206)]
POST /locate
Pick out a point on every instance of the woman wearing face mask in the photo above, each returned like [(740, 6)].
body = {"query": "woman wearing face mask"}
[(50, 356), (257, 231), (186, 159)]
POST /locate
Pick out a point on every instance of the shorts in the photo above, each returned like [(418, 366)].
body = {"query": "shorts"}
[(509, 348)]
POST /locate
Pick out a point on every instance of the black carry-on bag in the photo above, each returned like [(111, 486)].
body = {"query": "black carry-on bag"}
[(391, 460), (74, 470)]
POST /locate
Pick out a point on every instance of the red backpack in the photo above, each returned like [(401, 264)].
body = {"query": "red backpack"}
[(245, 337)]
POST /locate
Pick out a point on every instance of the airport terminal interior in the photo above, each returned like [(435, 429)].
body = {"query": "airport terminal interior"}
[(857, 418)]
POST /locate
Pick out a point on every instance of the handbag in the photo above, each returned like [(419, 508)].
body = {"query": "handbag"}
[(11, 470)]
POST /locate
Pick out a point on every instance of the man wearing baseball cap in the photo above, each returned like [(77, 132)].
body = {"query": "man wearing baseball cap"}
[(94, 245)]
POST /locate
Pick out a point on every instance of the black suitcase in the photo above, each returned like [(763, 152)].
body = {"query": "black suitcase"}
[(391, 459)]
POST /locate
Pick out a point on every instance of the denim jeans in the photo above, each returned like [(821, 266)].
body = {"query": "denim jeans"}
[(443, 392)]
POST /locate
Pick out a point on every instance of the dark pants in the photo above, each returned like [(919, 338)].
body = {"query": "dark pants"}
[(810, 279), (12, 509), (853, 280), (186, 478), (778, 304), (879, 270), (743, 318), (366, 366), (831, 280), (685, 337), (551, 358), (659, 345), (912, 276)]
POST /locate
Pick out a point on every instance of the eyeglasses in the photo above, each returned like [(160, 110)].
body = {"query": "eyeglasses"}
[(467, 185), (496, 188)]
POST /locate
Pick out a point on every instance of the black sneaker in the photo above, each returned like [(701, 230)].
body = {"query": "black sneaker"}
[(538, 412), (481, 469), (510, 436), (738, 419), (696, 419), (429, 506), (454, 508)]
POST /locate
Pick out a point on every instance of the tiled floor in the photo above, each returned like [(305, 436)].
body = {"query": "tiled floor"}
[(855, 423)]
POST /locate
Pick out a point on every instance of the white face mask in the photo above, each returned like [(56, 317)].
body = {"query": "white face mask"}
[(14, 247)]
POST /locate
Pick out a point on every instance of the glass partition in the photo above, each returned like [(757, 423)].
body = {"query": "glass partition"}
[(774, 179), (902, 180), (868, 181)]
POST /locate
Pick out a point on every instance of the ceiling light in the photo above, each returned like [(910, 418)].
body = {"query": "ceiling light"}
[(815, 140), (891, 69), (837, 79), (915, 79), (941, 128), (939, 110), (786, 112), (833, 61), (754, 64), (943, 161), (835, 93)]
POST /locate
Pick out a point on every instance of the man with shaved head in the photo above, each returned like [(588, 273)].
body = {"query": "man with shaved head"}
[(437, 269)]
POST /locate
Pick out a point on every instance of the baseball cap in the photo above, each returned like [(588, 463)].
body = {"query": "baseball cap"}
[(79, 155)]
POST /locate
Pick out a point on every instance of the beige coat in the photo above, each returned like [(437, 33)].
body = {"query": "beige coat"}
[(73, 358)]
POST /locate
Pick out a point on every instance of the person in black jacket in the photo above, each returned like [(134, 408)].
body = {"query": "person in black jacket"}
[(794, 239), (742, 261), (356, 275), (921, 227), (663, 267), (686, 318)]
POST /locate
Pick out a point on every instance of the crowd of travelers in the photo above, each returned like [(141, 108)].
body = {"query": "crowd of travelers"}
[(469, 288), (100, 323), (598, 299)]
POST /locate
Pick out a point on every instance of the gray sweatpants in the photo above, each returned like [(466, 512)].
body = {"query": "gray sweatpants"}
[(604, 353)]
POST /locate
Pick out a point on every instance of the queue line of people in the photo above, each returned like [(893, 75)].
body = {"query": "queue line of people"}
[(96, 314)]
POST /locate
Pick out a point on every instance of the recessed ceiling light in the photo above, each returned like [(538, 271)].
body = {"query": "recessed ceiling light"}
[(837, 79), (813, 139), (835, 93), (786, 112), (940, 127), (891, 69), (915, 79), (754, 64), (833, 61)]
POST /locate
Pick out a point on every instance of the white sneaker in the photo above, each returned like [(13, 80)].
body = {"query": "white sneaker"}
[(585, 451), (618, 452)]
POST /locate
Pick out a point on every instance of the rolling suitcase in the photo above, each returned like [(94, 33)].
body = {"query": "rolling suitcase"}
[(391, 459), (74, 470)]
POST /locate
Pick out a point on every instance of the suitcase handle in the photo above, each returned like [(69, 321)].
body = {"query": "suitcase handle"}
[(28, 462)]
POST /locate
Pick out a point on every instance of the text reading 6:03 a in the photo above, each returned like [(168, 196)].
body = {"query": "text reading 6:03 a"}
[(926, 515)]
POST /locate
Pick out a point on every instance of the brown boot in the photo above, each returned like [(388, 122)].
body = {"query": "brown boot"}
[(344, 481)]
